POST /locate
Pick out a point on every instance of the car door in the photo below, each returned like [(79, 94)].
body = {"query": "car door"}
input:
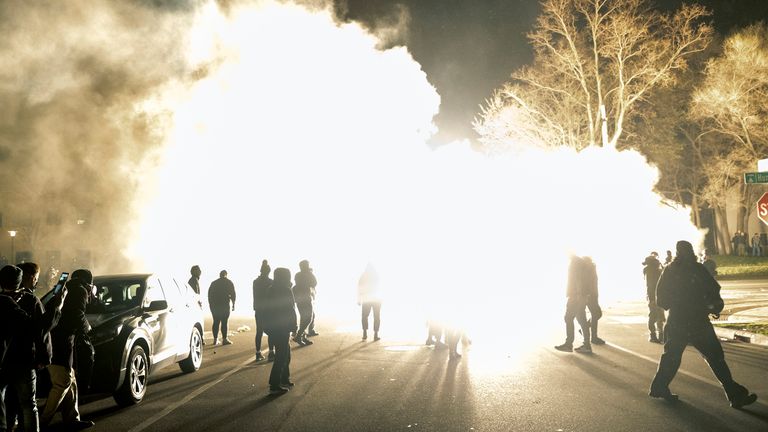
[(156, 321)]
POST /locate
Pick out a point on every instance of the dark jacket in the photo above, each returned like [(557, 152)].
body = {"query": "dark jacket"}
[(12, 317), (194, 283), (688, 292), (280, 310), (71, 323), (260, 292), (305, 285), (220, 293), (652, 271), (31, 346)]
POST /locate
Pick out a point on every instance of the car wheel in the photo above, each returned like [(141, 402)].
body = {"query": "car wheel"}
[(135, 383), (195, 358)]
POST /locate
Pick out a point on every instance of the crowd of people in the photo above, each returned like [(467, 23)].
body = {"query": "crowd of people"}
[(35, 337)]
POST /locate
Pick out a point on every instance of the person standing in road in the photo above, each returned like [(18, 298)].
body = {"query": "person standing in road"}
[(194, 283), (576, 308), (302, 293), (656, 318), (73, 323), (221, 294), (369, 298), (668, 258), (691, 294), (29, 351), (313, 292), (589, 286), (260, 290), (279, 322)]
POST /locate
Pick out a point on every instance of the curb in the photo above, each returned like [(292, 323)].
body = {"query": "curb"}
[(741, 336)]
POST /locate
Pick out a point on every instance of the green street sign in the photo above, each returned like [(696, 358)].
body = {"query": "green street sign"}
[(756, 177)]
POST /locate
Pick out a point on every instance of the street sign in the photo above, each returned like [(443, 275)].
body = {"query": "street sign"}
[(762, 208), (756, 177)]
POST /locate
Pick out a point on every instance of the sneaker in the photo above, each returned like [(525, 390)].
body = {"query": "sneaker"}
[(365, 334), (584, 349), (566, 347), (271, 356), (312, 333), (743, 401), (664, 394), (376, 337), (306, 341), (259, 356), (288, 385), (277, 390), (227, 342), (215, 342), (79, 425), (597, 341), (652, 339), (299, 340)]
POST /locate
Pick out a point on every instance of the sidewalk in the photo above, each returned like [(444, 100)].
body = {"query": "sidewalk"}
[(759, 314)]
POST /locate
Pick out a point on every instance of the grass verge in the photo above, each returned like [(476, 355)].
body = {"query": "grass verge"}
[(758, 328), (733, 267)]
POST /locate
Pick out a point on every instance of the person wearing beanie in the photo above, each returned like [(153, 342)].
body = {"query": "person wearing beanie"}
[(279, 322), (689, 292), (73, 323), (27, 350), (260, 291)]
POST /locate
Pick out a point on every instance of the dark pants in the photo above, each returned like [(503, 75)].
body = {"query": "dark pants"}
[(656, 319), (281, 371), (305, 311), (260, 334), (575, 308), (376, 307), (595, 313), (17, 399), (702, 337), (220, 317), (311, 327)]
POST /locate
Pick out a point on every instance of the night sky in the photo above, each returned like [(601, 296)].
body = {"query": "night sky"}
[(469, 47)]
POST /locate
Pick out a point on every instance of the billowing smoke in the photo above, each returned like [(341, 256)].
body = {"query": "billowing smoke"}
[(221, 134)]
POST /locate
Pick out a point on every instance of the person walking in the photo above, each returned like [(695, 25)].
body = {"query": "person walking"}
[(576, 308), (260, 290), (305, 283), (64, 392), (279, 322), (656, 318), (369, 298), (589, 287), (691, 294), (194, 283), (221, 294)]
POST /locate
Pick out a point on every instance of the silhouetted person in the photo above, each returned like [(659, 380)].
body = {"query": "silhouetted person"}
[(690, 294), (279, 323), (668, 258), (64, 392), (434, 333), (302, 293), (656, 318), (28, 351), (221, 295), (313, 294), (194, 279), (576, 307), (369, 298), (260, 291), (589, 282)]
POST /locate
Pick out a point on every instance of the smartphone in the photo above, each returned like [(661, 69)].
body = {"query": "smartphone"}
[(60, 284)]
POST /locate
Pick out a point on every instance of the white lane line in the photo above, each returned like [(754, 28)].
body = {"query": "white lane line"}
[(170, 408), (652, 360)]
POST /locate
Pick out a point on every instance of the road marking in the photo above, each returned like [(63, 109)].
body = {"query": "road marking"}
[(172, 407)]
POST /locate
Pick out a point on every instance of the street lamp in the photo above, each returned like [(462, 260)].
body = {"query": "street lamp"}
[(13, 246)]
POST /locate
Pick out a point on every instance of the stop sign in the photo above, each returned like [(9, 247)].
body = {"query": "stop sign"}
[(762, 208)]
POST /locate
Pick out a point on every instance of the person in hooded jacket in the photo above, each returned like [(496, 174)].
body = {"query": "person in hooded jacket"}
[(27, 351), (73, 324), (656, 318), (575, 307), (689, 292), (279, 322), (260, 291)]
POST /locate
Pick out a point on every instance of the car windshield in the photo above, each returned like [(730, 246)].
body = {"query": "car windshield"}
[(114, 295)]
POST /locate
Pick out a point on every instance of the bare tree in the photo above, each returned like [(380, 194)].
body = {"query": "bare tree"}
[(731, 106), (595, 61)]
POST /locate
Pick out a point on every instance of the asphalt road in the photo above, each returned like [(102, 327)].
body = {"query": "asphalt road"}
[(514, 381)]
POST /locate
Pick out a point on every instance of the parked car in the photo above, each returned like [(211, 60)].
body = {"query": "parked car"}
[(141, 323)]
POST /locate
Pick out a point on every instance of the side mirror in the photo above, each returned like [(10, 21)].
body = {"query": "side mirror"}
[(157, 305)]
